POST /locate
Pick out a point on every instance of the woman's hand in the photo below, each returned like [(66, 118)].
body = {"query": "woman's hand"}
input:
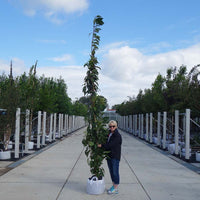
[(99, 145)]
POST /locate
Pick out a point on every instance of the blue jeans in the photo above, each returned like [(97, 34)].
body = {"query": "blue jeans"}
[(113, 166)]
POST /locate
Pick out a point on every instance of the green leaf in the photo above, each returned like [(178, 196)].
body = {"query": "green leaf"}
[(91, 143)]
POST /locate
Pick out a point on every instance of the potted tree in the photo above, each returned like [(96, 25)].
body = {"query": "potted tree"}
[(96, 131), (8, 96), (4, 136)]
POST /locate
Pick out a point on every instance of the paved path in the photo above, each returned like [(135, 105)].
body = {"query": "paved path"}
[(61, 172)]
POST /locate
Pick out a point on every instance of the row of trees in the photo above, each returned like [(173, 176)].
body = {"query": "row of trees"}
[(35, 93), (29, 91), (177, 90)]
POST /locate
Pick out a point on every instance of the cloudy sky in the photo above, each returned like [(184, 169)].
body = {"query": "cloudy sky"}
[(140, 38)]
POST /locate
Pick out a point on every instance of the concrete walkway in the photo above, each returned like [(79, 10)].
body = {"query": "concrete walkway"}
[(61, 172)]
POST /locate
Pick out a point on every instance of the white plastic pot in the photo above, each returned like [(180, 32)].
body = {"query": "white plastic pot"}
[(198, 156), (10, 145), (183, 152), (171, 148), (5, 155), (166, 143), (95, 186), (155, 139), (30, 145)]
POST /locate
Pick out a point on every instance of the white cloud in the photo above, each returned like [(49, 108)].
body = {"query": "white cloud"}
[(53, 8), (115, 45), (18, 66), (156, 47), (126, 70), (4, 67), (65, 57), (122, 63), (73, 76)]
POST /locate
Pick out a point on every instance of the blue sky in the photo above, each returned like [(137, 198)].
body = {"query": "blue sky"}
[(140, 38)]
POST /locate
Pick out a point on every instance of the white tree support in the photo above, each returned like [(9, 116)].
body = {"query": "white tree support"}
[(44, 128), (176, 131), (17, 131), (54, 127), (187, 135), (51, 128), (65, 125), (59, 125), (139, 123), (158, 130), (151, 127), (147, 127), (164, 129), (130, 123), (136, 127), (27, 130), (142, 126), (39, 130)]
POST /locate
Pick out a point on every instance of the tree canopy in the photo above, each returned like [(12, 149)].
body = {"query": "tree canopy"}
[(177, 90), (29, 91)]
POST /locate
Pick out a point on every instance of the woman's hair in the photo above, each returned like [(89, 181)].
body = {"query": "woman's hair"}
[(112, 122)]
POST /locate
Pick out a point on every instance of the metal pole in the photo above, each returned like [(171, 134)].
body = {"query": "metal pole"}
[(139, 128), (158, 130), (151, 127), (133, 125), (54, 127), (67, 127), (51, 128), (17, 131), (164, 129), (61, 124), (39, 129), (126, 123), (147, 127), (136, 127), (176, 130), (130, 123), (187, 135), (44, 128), (184, 126), (27, 130), (142, 126)]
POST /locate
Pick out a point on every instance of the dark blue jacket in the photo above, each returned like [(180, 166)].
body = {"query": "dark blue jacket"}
[(114, 145)]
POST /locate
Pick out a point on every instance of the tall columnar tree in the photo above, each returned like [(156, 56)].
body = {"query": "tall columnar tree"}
[(8, 101), (96, 132)]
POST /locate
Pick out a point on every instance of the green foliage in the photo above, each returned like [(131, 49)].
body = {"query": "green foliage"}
[(103, 104), (79, 109), (8, 101), (176, 91), (96, 132), (41, 93), (28, 87), (34, 93)]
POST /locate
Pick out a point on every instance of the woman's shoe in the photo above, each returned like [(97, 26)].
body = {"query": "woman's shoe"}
[(112, 190)]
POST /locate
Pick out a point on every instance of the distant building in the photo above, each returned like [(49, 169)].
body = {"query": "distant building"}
[(110, 113)]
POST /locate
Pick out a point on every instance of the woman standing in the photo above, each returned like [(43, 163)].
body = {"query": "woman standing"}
[(114, 146)]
